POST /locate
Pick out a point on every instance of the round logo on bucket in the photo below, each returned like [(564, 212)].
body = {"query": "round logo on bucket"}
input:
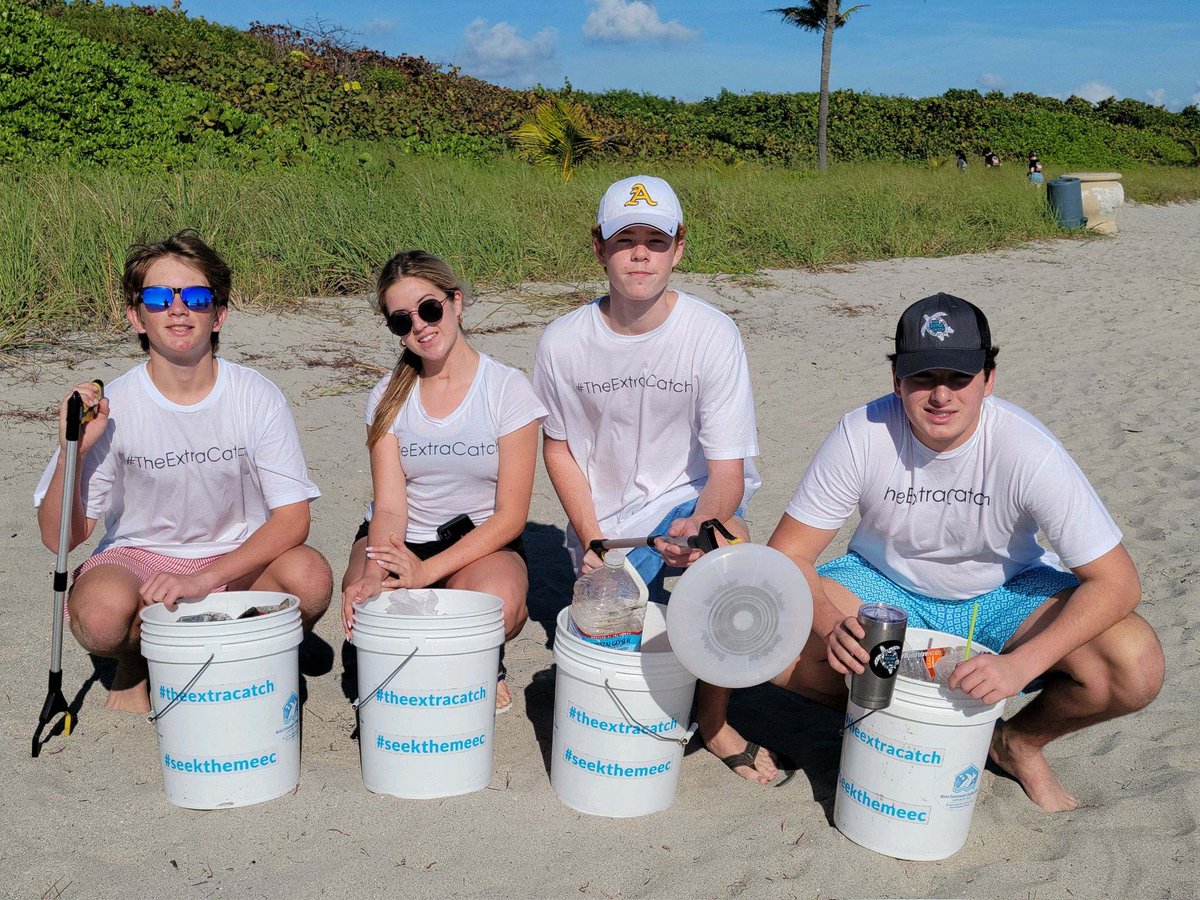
[(885, 658)]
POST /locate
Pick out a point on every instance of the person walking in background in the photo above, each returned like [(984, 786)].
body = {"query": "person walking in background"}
[(195, 464), (453, 437), (651, 425)]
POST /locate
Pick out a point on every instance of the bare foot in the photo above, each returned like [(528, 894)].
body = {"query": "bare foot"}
[(1030, 769), (727, 742), (503, 697), (130, 691)]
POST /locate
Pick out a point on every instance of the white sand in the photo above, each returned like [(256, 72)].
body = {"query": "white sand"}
[(1099, 340)]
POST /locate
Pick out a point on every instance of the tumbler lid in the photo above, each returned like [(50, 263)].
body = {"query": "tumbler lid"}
[(882, 612)]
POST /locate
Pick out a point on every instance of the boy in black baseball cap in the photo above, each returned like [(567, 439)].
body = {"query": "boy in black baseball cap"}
[(952, 486)]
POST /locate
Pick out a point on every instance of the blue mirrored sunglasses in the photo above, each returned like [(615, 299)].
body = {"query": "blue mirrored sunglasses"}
[(197, 297)]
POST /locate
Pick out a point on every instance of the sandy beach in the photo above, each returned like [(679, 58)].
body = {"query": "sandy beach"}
[(1098, 339)]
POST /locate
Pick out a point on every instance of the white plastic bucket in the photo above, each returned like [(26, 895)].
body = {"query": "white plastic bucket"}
[(226, 699), (427, 694), (910, 773), (620, 721)]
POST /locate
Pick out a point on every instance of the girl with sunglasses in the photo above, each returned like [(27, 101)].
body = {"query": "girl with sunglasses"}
[(453, 438)]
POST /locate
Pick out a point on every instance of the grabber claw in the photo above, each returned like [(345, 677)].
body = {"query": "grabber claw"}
[(55, 704)]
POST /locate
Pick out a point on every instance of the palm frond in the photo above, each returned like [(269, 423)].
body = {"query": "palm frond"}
[(811, 16), (557, 134)]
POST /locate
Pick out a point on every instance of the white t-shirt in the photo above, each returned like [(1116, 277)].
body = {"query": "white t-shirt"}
[(958, 524), (642, 414), (191, 481), (452, 465)]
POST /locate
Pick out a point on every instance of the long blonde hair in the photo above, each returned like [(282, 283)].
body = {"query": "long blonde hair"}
[(407, 264)]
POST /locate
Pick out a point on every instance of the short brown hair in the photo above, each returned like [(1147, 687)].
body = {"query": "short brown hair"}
[(185, 245)]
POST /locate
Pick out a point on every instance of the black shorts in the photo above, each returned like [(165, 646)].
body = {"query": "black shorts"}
[(433, 548)]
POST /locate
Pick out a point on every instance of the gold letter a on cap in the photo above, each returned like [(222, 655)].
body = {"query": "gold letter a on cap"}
[(637, 194)]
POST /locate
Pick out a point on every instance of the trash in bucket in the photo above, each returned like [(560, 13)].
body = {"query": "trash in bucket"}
[(620, 721), (412, 603), (427, 693), (225, 696), (909, 774)]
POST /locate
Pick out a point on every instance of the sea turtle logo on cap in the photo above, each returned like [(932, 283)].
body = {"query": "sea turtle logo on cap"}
[(936, 326), (637, 194)]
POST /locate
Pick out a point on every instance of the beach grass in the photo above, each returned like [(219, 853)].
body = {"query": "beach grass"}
[(319, 231)]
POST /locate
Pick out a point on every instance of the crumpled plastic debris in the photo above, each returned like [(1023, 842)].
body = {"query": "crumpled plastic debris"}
[(935, 664), (412, 603), (265, 610), (206, 617)]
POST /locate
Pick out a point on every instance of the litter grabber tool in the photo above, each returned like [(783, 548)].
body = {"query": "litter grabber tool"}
[(56, 703), (705, 540)]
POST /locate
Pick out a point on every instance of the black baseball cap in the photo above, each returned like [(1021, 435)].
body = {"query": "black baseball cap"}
[(942, 332)]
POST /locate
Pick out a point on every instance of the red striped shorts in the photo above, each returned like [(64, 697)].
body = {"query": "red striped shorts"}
[(145, 564)]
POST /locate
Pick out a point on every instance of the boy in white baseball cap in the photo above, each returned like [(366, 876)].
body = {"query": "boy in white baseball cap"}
[(651, 426)]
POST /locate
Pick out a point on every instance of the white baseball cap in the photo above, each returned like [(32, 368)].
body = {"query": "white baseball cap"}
[(639, 200)]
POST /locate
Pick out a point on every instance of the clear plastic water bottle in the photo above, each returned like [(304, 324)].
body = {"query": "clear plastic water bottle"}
[(608, 607)]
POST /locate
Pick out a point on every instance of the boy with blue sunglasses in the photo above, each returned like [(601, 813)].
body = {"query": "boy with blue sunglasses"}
[(194, 463)]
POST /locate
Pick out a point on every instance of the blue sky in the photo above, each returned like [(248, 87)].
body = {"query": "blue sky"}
[(691, 49)]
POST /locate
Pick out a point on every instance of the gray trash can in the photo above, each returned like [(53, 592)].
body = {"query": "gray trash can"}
[(1065, 196)]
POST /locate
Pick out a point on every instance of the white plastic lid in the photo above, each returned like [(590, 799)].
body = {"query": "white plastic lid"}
[(739, 615)]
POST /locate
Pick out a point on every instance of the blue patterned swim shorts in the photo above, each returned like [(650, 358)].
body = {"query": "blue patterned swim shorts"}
[(1001, 611)]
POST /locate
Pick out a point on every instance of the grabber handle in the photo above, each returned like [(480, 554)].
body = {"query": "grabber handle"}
[(705, 540), (77, 415)]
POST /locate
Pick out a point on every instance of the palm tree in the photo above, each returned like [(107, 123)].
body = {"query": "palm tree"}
[(824, 16), (557, 135)]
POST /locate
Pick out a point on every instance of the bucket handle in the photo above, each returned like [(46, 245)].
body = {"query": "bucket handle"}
[(154, 717), (363, 701), (683, 741)]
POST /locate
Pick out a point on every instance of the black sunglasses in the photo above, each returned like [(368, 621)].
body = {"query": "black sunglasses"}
[(430, 310)]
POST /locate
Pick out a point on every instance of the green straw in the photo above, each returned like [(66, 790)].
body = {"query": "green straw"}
[(971, 630)]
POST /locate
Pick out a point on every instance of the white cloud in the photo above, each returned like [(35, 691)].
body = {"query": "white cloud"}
[(1158, 97), (620, 21), (498, 51), (380, 28), (1195, 100), (1094, 91), (991, 82)]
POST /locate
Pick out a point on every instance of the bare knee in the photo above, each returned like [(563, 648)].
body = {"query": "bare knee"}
[(1136, 674), (811, 676), (502, 574), (104, 628), (515, 617), (304, 572), (1122, 668)]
